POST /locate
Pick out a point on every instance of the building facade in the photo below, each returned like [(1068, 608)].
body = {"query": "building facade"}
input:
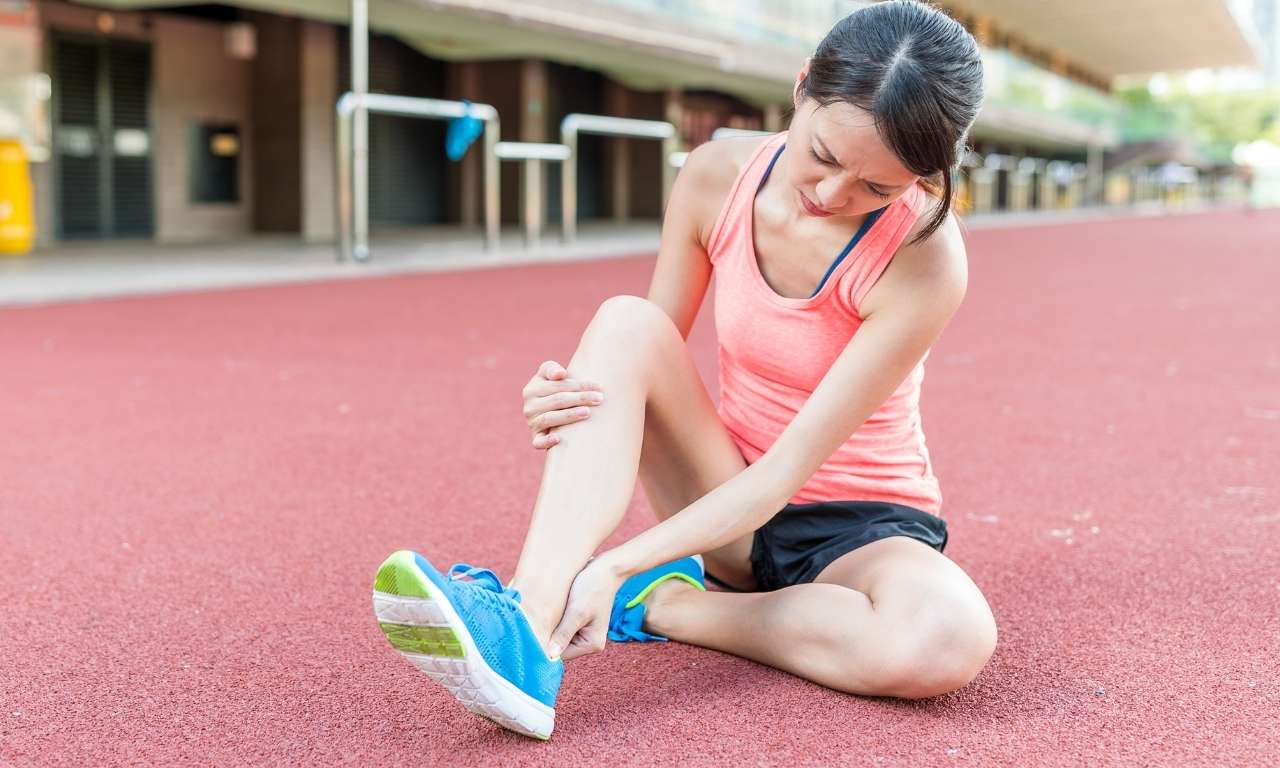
[(189, 123)]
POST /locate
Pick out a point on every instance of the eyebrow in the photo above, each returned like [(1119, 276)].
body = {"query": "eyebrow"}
[(832, 155)]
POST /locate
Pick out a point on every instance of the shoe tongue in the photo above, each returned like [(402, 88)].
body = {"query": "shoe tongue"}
[(483, 578), (488, 581)]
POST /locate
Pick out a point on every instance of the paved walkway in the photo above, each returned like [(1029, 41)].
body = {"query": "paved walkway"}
[(97, 270)]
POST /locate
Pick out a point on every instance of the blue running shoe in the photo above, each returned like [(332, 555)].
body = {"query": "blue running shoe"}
[(628, 606), (468, 633)]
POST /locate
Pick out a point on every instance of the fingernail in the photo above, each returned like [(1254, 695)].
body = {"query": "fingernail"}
[(597, 399), (553, 651)]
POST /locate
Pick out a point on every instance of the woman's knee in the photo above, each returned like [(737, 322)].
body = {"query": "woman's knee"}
[(947, 652), (941, 652), (631, 320)]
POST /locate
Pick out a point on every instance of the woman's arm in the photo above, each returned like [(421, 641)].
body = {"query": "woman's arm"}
[(903, 315), (683, 269)]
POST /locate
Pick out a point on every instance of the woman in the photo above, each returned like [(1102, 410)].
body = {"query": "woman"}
[(808, 493)]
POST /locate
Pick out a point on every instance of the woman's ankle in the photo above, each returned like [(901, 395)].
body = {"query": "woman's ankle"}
[(543, 617), (662, 603)]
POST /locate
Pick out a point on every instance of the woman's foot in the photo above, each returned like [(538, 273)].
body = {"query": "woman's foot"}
[(469, 633), (627, 620)]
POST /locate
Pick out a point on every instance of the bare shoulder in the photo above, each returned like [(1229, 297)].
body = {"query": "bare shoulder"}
[(934, 269), (709, 173)]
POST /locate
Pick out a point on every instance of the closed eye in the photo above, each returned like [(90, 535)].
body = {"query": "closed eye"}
[(871, 187), (820, 158)]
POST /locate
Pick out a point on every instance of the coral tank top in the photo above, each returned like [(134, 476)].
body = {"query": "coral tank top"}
[(773, 351)]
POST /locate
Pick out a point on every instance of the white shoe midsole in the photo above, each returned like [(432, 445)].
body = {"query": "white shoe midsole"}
[(470, 678)]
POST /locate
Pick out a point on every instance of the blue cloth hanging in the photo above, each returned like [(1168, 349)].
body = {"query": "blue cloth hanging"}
[(461, 133)]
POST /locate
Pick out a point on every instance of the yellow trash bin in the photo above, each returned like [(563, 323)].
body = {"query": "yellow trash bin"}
[(17, 230)]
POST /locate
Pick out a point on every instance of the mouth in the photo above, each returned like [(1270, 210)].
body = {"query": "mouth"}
[(810, 208)]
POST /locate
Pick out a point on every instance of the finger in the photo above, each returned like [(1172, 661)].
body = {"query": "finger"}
[(561, 401), (587, 641), (534, 406), (575, 650), (553, 419), (546, 387), (551, 370), (564, 634), (544, 440)]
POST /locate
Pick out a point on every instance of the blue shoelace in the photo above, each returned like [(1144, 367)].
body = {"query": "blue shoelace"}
[(625, 623), (491, 586)]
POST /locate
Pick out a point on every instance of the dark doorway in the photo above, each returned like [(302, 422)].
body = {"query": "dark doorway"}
[(102, 92)]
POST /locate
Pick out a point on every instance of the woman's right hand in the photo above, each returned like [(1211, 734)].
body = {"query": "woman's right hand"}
[(552, 399)]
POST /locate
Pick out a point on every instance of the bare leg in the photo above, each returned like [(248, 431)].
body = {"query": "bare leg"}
[(894, 618), (921, 627), (652, 394)]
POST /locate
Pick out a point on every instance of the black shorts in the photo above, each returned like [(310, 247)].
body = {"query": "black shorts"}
[(802, 539)]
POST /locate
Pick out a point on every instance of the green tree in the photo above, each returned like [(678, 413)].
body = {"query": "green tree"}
[(1216, 121)]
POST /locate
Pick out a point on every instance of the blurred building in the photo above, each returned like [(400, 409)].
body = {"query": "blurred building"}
[(1266, 19), (173, 121)]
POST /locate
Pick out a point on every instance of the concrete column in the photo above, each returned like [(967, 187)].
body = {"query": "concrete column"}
[(469, 194), (1019, 185), (1094, 181), (1048, 189), (983, 189), (533, 127), (533, 98), (673, 112), (618, 104), (319, 72)]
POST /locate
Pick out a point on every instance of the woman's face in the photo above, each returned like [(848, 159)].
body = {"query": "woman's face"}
[(838, 165)]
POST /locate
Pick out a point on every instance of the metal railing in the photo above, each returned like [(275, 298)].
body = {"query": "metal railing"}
[(576, 124), (677, 159), (353, 159), (533, 156), (728, 133)]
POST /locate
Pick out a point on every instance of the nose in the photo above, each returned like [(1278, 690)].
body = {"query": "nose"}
[(832, 192)]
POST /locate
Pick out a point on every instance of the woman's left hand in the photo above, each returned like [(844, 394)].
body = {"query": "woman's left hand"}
[(585, 625)]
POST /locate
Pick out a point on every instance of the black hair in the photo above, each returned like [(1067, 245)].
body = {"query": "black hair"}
[(918, 72)]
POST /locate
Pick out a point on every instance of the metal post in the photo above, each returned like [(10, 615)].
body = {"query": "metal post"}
[(532, 203), (360, 128), (492, 200), (533, 155), (343, 211), (574, 124), (348, 207), (569, 187)]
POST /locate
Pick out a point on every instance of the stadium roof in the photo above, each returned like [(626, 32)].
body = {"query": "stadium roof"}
[(645, 50), (1130, 37)]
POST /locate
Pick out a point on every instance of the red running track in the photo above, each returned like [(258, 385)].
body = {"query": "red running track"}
[(197, 489)]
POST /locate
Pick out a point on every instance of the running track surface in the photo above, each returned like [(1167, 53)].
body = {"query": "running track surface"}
[(198, 488)]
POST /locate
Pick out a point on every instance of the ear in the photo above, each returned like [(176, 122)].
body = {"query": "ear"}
[(796, 96)]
